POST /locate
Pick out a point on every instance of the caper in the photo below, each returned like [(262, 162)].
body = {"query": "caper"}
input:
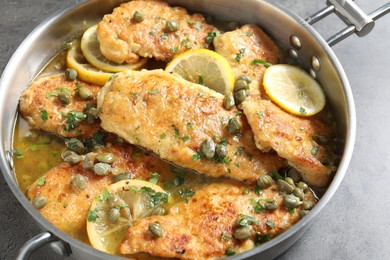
[(299, 193), (291, 201), (73, 159), (85, 93), (221, 151), (295, 175), (138, 17), (228, 101), (234, 126), (303, 213), (158, 211), (271, 205), (106, 158), (113, 215), (66, 153), (307, 204), (39, 201), (79, 182), (70, 74), (64, 98), (171, 26), (122, 176), (243, 233), (303, 186), (265, 181), (240, 84), (113, 201), (240, 95), (290, 181), (207, 148), (284, 186), (92, 114), (247, 78), (76, 145), (156, 229), (101, 168), (89, 161)]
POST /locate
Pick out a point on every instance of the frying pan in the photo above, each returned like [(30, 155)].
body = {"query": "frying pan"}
[(294, 34)]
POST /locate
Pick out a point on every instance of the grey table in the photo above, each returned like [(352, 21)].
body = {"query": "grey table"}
[(355, 224)]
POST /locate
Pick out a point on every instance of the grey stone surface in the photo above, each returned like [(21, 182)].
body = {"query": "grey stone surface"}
[(355, 224)]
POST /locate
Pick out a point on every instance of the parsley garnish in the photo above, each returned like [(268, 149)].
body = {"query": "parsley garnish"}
[(302, 110), (225, 237), (270, 224), (44, 115), (314, 150), (154, 198), (73, 120), (17, 153), (92, 216), (260, 114), (41, 181), (154, 178), (154, 91), (196, 156), (162, 136), (244, 220), (210, 36), (185, 193), (200, 80), (230, 252), (184, 138), (258, 61), (105, 194), (259, 238), (200, 94), (174, 49)]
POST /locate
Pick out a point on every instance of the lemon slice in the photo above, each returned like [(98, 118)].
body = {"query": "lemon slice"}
[(85, 71), (91, 49), (293, 89), (204, 67), (118, 207)]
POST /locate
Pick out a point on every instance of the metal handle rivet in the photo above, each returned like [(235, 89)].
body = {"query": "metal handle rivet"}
[(293, 53), (315, 63), (295, 42)]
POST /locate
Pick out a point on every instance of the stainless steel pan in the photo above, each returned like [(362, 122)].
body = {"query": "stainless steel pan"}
[(294, 34)]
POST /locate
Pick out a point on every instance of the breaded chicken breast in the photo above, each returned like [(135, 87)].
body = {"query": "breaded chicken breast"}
[(150, 29), (67, 207), (292, 137), (207, 226), (42, 107), (172, 117)]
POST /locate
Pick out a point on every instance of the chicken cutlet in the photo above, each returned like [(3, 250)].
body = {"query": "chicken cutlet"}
[(53, 104), (67, 207), (150, 29), (209, 224), (173, 118), (293, 138)]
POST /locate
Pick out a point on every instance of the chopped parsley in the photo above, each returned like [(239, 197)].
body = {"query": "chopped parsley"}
[(154, 198), (174, 50), (105, 194), (200, 94), (189, 124), (260, 114), (73, 120), (163, 135), (154, 178), (92, 216), (186, 193), (244, 220), (259, 238), (196, 156), (164, 36), (41, 181), (44, 115), (230, 252), (200, 79), (270, 224), (175, 131), (239, 54), (184, 138), (211, 35), (302, 110), (154, 91), (17, 153), (263, 62), (301, 94), (225, 236), (314, 150), (191, 22)]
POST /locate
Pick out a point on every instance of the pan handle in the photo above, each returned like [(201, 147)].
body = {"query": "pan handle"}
[(356, 20), (40, 240)]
